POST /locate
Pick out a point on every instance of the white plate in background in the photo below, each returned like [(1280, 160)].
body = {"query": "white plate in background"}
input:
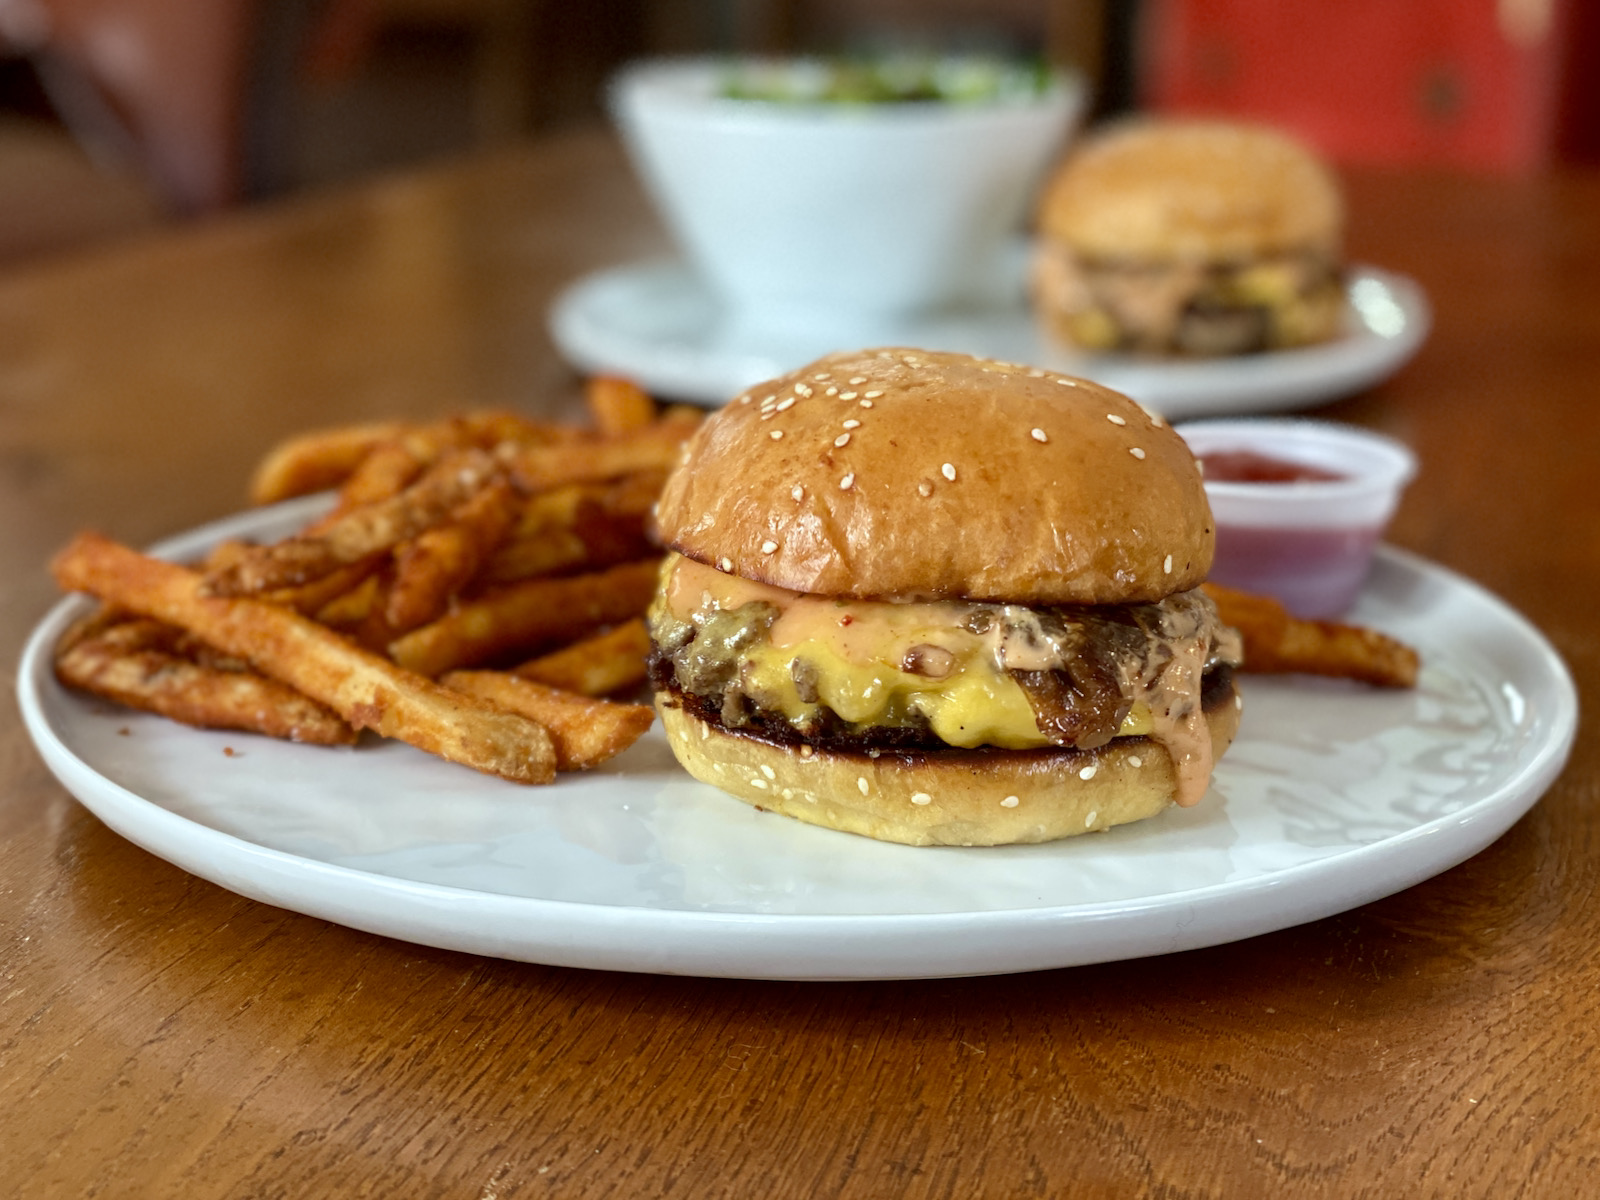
[(1333, 795), (656, 323)]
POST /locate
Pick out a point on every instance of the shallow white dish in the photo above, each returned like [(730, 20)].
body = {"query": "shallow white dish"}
[(656, 323), (1332, 796)]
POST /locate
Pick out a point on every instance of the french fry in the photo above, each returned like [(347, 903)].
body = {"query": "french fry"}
[(315, 461), (581, 524), (521, 616), (313, 597), (653, 448), (367, 691), (1276, 642), (359, 533), (586, 731), (350, 608), (618, 405), (137, 664), (595, 666), (395, 465), (430, 570), (387, 471)]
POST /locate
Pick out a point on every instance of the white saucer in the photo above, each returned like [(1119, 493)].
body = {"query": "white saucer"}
[(1333, 795), (656, 323)]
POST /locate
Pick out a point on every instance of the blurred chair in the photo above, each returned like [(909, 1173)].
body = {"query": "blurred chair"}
[(198, 93)]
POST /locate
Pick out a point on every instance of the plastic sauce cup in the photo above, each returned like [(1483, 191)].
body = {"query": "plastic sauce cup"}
[(1300, 506)]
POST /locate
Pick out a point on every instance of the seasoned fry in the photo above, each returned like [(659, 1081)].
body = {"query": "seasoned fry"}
[(316, 460), (653, 448), (349, 609), (586, 731), (135, 663), (521, 616), (596, 666), (618, 405), (440, 562), (313, 597), (364, 689), (359, 533), (1275, 642)]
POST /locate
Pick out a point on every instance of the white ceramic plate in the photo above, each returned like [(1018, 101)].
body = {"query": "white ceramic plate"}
[(1332, 796), (656, 323)]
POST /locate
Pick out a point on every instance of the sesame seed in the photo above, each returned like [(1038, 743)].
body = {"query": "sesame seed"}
[(759, 782), (776, 434), (1088, 822), (768, 772), (1010, 802), (806, 751), (847, 395), (705, 730), (948, 471), (858, 379), (745, 399), (921, 798), (833, 391), (725, 564), (786, 403), (852, 423), (1040, 436), (842, 440), (924, 488), (766, 415), (1238, 701), (1135, 761), (1116, 420), (1136, 452), (1087, 772), (799, 493), (873, 395), (800, 389), (866, 404), (768, 546), (788, 793), (823, 377), (1166, 564), (861, 782), (846, 483)]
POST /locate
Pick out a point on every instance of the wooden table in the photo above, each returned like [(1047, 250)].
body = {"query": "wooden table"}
[(160, 1036)]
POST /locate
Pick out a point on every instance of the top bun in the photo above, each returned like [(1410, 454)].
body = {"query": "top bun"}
[(1192, 189), (901, 473)]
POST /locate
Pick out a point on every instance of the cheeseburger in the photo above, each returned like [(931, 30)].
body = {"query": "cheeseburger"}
[(1190, 237), (940, 600)]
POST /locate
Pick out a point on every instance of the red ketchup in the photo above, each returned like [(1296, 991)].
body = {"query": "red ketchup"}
[(1316, 571), (1299, 506), (1246, 466)]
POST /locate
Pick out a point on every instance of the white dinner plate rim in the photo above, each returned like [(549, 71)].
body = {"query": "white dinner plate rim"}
[(1374, 870), (1275, 381)]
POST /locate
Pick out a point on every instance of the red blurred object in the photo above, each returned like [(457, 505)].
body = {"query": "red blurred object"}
[(1467, 83)]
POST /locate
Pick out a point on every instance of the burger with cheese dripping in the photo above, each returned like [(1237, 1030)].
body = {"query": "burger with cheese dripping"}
[(941, 600)]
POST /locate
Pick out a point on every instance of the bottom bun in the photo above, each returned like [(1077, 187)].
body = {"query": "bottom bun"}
[(984, 797)]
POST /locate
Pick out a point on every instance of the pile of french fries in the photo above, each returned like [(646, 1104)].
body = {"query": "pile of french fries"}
[(476, 590)]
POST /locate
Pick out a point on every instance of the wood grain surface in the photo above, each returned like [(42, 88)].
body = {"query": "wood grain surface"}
[(160, 1036)]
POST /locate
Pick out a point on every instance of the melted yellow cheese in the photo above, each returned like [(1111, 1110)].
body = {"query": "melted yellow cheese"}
[(858, 648)]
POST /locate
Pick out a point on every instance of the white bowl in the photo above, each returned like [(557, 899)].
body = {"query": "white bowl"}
[(822, 212), (1307, 542)]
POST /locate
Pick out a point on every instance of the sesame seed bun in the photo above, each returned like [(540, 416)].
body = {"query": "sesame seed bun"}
[(899, 473), (1189, 189), (983, 797)]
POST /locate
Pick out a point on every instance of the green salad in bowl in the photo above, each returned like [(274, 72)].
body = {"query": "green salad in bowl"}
[(898, 79)]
